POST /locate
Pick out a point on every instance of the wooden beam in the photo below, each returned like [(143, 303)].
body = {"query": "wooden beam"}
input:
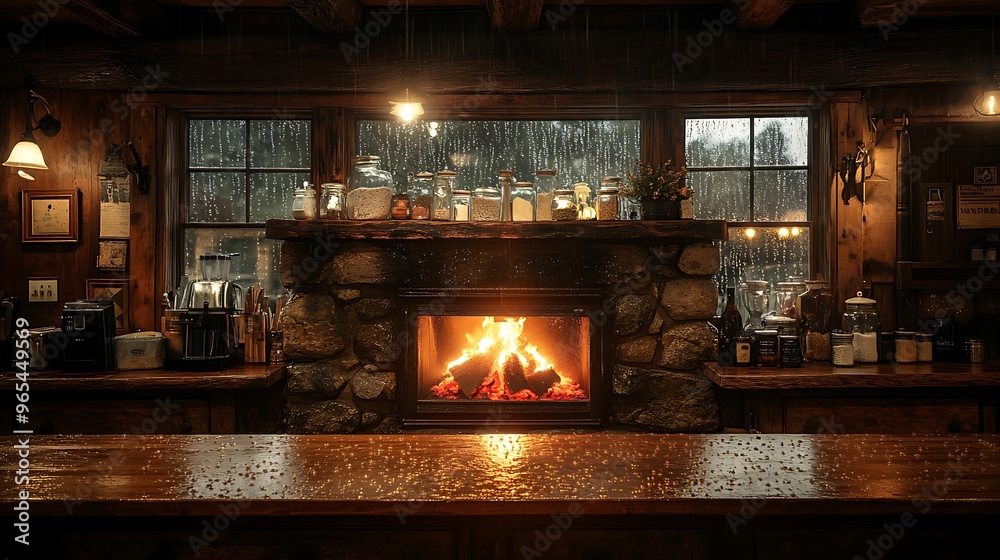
[(888, 12), (514, 15), (329, 16), (118, 18), (758, 14)]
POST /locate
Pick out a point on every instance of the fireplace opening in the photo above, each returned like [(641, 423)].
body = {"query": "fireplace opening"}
[(505, 358)]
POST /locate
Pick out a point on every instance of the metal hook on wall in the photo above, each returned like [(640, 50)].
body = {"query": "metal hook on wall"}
[(143, 173)]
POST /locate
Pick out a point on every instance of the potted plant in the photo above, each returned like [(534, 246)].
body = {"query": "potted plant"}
[(658, 188)]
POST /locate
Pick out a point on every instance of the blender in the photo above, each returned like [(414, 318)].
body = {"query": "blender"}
[(756, 300), (209, 318)]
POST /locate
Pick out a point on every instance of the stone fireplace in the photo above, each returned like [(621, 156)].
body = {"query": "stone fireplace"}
[(409, 325)]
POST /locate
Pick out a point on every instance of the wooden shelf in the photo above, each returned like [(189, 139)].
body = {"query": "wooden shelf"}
[(825, 375), (673, 230), (912, 275), (240, 376)]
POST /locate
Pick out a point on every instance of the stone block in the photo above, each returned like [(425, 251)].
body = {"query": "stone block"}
[(305, 263), (686, 345), (326, 378), (322, 417), (363, 263), (374, 308), (664, 401), (372, 384), (639, 350), (632, 312), (700, 259), (311, 327), (375, 343), (690, 298)]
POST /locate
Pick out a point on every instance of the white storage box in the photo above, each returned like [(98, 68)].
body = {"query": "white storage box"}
[(141, 350)]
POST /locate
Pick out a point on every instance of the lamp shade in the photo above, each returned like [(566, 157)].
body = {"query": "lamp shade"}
[(27, 155), (988, 103), (407, 110)]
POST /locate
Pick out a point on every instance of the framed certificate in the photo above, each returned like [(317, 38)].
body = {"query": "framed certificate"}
[(50, 216)]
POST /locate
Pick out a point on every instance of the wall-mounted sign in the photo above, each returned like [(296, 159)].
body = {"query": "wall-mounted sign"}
[(984, 175), (978, 206)]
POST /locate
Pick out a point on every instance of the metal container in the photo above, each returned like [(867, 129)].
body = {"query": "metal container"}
[(141, 350), (767, 347)]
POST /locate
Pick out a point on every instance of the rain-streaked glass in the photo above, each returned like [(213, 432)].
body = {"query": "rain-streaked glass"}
[(781, 141), (723, 142), (257, 260), (781, 195), (216, 196), (281, 144), (720, 195), (578, 150), (772, 254), (217, 143), (271, 194)]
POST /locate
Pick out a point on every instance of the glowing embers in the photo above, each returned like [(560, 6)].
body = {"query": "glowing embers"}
[(501, 361)]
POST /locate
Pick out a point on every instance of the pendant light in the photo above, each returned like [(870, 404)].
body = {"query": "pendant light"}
[(408, 108), (26, 153), (988, 102)]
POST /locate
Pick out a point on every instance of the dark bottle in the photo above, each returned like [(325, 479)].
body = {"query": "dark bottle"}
[(732, 327), (943, 345)]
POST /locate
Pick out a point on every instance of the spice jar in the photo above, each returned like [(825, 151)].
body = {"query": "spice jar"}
[(400, 204), (304, 203), (563, 205), (505, 184), (461, 201), (766, 341), (974, 350), (486, 205), (842, 348), (331, 203), (370, 195), (445, 182), (421, 196), (906, 346), (886, 347), (522, 202), (925, 347), (789, 351), (815, 306), (545, 185), (862, 319), (608, 206)]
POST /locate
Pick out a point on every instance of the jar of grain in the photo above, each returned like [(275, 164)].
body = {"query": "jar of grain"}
[(445, 182), (522, 202), (608, 207), (842, 348), (862, 319), (906, 346), (370, 195), (486, 205), (815, 306), (545, 185), (563, 205), (925, 347), (304, 203), (421, 196)]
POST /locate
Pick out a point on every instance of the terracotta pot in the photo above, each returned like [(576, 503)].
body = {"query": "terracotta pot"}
[(661, 209)]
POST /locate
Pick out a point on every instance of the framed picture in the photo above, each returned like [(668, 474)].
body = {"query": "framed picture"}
[(116, 290), (50, 216), (984, 175)]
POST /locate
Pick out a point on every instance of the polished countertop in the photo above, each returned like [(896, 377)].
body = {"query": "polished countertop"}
[(824, 375), (239, 376)]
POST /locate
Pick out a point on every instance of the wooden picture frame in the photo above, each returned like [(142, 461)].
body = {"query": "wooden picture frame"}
[(50, 216), (116, 290)]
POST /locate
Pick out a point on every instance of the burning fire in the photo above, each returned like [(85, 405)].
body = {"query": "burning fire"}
[(498, 365)]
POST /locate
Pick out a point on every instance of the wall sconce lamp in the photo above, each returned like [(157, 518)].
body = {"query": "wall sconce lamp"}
[(26, 153)]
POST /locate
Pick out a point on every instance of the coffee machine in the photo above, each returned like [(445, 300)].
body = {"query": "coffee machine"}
[(89, 326), (10, 311), (208, 317)]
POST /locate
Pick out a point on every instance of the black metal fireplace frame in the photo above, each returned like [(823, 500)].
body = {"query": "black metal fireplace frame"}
[(504, 415)]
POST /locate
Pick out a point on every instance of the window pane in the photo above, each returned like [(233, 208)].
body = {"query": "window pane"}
[(577, 150), (217, 143), (257, 260), (781, 195), (781, 141), (772, 254), (216, 197), (721, 195), (284, 144), (271, 194), (717, 142)]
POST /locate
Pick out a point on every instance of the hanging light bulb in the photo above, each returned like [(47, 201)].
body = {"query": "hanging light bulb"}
[(795, 231), (750, 233), (783, 232), (408, 109)]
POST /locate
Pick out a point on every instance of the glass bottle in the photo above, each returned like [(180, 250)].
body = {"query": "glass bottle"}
[(563, 205), (304, 203), (732, 327), (421, 196), (815, 307), (522, 202), (400, 204), (370, 195), (486, 205), (584, 208), (332, 205), (862, 319), (545, 185), (461, 202), (608, 207), (944, 341), (445, 182), (505, 184)]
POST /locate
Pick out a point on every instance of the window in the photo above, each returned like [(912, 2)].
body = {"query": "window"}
[(579, 150), (754, 172), (240, 173)]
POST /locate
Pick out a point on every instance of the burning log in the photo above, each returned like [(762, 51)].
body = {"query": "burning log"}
[(470, 374), (540, 381), (513, 374)]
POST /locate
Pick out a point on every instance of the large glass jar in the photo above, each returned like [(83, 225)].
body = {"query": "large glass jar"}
[(461, 202), (370, 195), (584, 204), (563, 205), (545, 185), (608, 207), (332, 205), (304, 203), (368, 175), (815, 306), (522, 202), (862, 319), (756, 299), (445, 182), (486, 205), (787, 298), (842, 348), (421, 196), (505, 184)]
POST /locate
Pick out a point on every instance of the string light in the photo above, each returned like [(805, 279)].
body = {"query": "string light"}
[(750, 233), (783, 232)]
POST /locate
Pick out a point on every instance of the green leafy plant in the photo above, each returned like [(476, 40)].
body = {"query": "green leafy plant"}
[(656, 182)]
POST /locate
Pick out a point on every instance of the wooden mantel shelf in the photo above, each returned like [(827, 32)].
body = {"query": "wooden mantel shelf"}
[(673, 230), (824, 375), (240, 376)]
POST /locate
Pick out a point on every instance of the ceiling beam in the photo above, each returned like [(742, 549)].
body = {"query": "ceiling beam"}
[(885, 13), (758, 14), (330, 16), (515, 15), (118, 18)]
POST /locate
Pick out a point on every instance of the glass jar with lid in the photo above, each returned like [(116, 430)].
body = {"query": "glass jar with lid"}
[(545, 185), (786, 326), (925, 347), (505, 184), (370, 195), (400, 209), (584, 204), (563, 205), (522, 202), (332, 205), (842, 348), (445, 182), (486, 205), (304, 203), (461, 202), (368, 175), (815, 307), (421, 193), (608, 207), (787, 298), (906, 346), (862, 319)]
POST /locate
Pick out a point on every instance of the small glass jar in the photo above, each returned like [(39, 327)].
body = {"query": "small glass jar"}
[(842, 348), (974, 350), (421, 193), (522, 202), (332, 205), (905, 346), (486, 205), (815, 306), (608, 207), (304, 203), (400, 204), (445, 182), (886, 347), (461, 202), (505, 184), (563, 205), (545, 185), (925, 347), (584, 204), (787, 300), (862, 319)]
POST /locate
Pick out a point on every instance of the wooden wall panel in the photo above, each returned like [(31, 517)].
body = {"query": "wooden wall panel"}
[(144, 240)]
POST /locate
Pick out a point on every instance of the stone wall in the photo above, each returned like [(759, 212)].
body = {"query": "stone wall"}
[(340, 327)]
